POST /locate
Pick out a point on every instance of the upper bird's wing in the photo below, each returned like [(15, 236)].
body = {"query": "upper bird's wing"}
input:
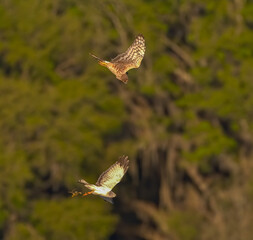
[(134, 54), (114, 174)]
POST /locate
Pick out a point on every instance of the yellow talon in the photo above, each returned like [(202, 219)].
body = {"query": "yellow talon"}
[(75, 193)]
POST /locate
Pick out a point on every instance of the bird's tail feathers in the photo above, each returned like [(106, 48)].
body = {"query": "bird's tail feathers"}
[(83, 181), (100, 61)]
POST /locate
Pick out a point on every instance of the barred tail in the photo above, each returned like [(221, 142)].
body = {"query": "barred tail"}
[(100, 61)]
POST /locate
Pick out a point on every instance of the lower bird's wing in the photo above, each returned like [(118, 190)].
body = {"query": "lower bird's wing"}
[(114, 174)]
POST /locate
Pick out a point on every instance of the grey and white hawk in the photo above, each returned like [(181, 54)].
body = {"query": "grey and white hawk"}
[(107, 180)]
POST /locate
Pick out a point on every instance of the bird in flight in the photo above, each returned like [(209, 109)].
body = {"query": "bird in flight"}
[(131, 58), (107, 180)]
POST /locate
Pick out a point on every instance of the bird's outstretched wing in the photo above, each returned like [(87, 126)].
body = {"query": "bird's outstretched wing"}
[(114, 174), (133, 56)]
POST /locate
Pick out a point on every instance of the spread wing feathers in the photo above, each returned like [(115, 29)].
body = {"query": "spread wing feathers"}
[(114, 174), (133, 55)]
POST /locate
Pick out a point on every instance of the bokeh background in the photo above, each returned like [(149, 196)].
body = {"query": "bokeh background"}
[(184, 119)]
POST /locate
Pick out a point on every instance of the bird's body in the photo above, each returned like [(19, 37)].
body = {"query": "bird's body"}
[(125, 61), (107, 180), (98, 190)]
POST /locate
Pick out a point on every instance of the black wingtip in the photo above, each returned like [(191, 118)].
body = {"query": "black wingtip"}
[(123, 158), (124, 162)]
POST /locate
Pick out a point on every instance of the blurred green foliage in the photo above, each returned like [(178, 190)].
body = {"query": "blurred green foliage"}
[(185, 225), (61, 219)]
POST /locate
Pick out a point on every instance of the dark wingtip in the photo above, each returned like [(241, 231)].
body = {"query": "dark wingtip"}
[(123, 157), (124, 162), (140, 35)]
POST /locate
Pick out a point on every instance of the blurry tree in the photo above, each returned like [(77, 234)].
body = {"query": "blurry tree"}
[(56, 117)]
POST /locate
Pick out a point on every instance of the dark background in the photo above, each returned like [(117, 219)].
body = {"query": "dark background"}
[(184, 119)]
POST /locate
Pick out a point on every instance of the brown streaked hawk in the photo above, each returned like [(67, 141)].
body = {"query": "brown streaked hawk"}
[(107, 180), (131, 58)]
